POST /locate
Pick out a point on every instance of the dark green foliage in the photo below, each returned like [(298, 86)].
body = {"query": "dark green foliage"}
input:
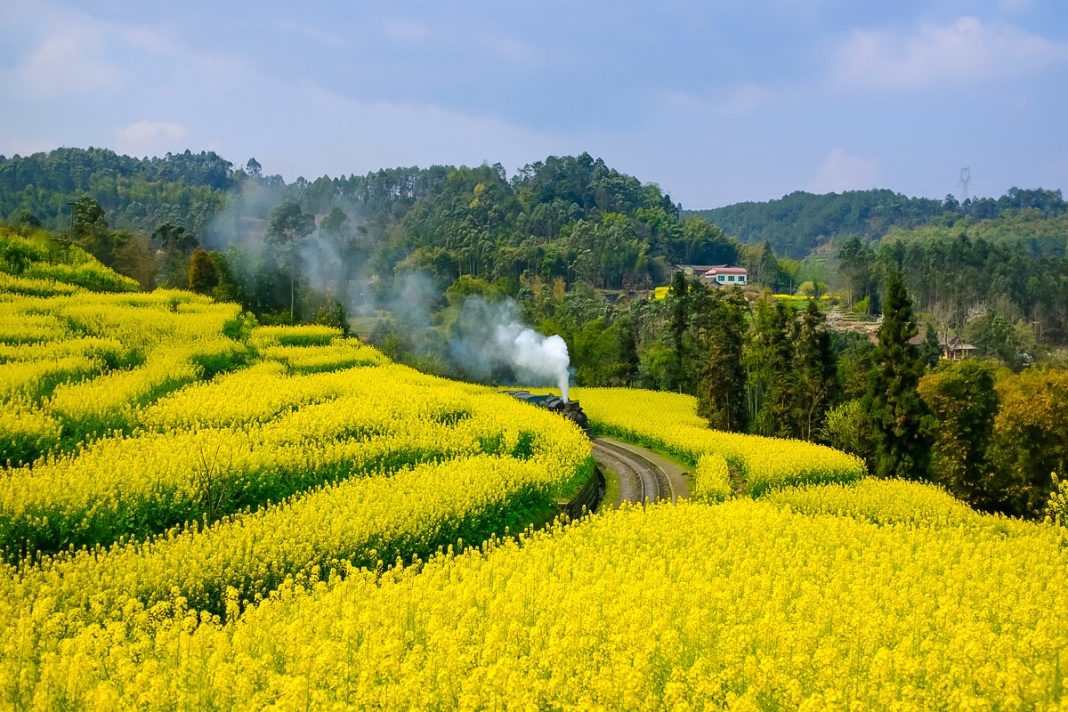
[(962, 399), (722, 376), (203, 275), (930, 348), (816, 373), (680, 317), (994, 337), (797, 223), (137, 194), (290, 224), (772, 378), (855, 262), (892, 403)]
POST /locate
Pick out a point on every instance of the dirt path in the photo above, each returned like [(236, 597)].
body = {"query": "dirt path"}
[(643, 475)]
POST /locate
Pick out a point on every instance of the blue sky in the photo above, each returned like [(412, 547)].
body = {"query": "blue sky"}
[(718, 101)]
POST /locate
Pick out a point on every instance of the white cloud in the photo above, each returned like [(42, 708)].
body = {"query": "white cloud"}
[(841, 172), (70, 60), (151, 138), (968, 51)]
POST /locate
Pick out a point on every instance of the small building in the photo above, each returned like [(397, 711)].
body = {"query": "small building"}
[(718, 275), (954, 349), (727, 276)]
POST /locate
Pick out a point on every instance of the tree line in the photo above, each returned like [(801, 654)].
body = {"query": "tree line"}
[(799, 223)]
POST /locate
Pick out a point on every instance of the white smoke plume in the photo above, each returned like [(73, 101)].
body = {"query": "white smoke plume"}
[(489, 340)]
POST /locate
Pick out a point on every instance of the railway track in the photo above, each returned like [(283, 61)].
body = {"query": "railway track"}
[(641, 479)]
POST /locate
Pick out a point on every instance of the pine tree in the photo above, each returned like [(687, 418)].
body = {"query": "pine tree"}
[(721, 389), (771, 377), (816, 372), (893, 405), (680, 308)]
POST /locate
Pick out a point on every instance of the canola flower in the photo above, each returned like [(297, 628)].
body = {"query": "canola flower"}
[(300, 335), (742, 605), (34, 287), (290, 475), (26, 432), (670, 421), (347, 353), (244, 558), (93, 361), (891, 501), (111, 402), (381, 419)]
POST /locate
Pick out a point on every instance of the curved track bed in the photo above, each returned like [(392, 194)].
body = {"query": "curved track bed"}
[(643, 475)]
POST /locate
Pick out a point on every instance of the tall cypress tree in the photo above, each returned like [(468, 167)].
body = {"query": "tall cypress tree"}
[(680, 316), (721, 389), (772, 380), (816, 372), (893, 404)]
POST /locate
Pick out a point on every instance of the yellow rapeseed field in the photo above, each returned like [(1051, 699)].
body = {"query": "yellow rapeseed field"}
[(670, 421), (742, 605), (200, 513)]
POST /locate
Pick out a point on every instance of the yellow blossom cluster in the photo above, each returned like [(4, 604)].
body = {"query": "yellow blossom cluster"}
[(90, 362), (314, 359), (362, 522), (887, 502), (743, 605), (223, 458), (34, 287), (300, 335), (670, 421)]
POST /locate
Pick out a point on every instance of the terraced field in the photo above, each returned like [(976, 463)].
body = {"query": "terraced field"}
[(200, 513)]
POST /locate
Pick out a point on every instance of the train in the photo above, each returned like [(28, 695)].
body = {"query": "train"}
[(570, 409)]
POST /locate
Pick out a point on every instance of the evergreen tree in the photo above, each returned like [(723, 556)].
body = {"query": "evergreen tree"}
[(626, 371), (930, 348), (203, 275), (892, 403), (771, 376), (816, 372), (680, 288), (721, 390)]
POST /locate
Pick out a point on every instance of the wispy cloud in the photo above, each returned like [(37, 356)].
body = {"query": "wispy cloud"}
[(841, 171), (70, 60), (738, 100), (150, 138), (969, 51)]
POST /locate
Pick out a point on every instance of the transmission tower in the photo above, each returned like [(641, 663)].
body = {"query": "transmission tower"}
[(965, 180)]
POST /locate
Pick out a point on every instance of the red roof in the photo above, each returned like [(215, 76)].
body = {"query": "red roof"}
[(724, 269)]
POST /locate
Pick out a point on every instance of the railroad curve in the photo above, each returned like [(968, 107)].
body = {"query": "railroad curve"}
[(643, 475)]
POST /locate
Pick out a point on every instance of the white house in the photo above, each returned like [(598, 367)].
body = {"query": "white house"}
[(727, 276)]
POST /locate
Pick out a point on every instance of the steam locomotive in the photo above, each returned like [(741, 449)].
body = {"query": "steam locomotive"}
[(569, 409)]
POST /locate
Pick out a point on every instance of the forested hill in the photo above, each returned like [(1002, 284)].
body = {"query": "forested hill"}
[(798, 223), (136, 193), (573, 218)]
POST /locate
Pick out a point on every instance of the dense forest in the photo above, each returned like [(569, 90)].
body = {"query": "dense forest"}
[(800, 222)]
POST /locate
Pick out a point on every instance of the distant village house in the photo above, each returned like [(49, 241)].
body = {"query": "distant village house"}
[(718, 275)]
